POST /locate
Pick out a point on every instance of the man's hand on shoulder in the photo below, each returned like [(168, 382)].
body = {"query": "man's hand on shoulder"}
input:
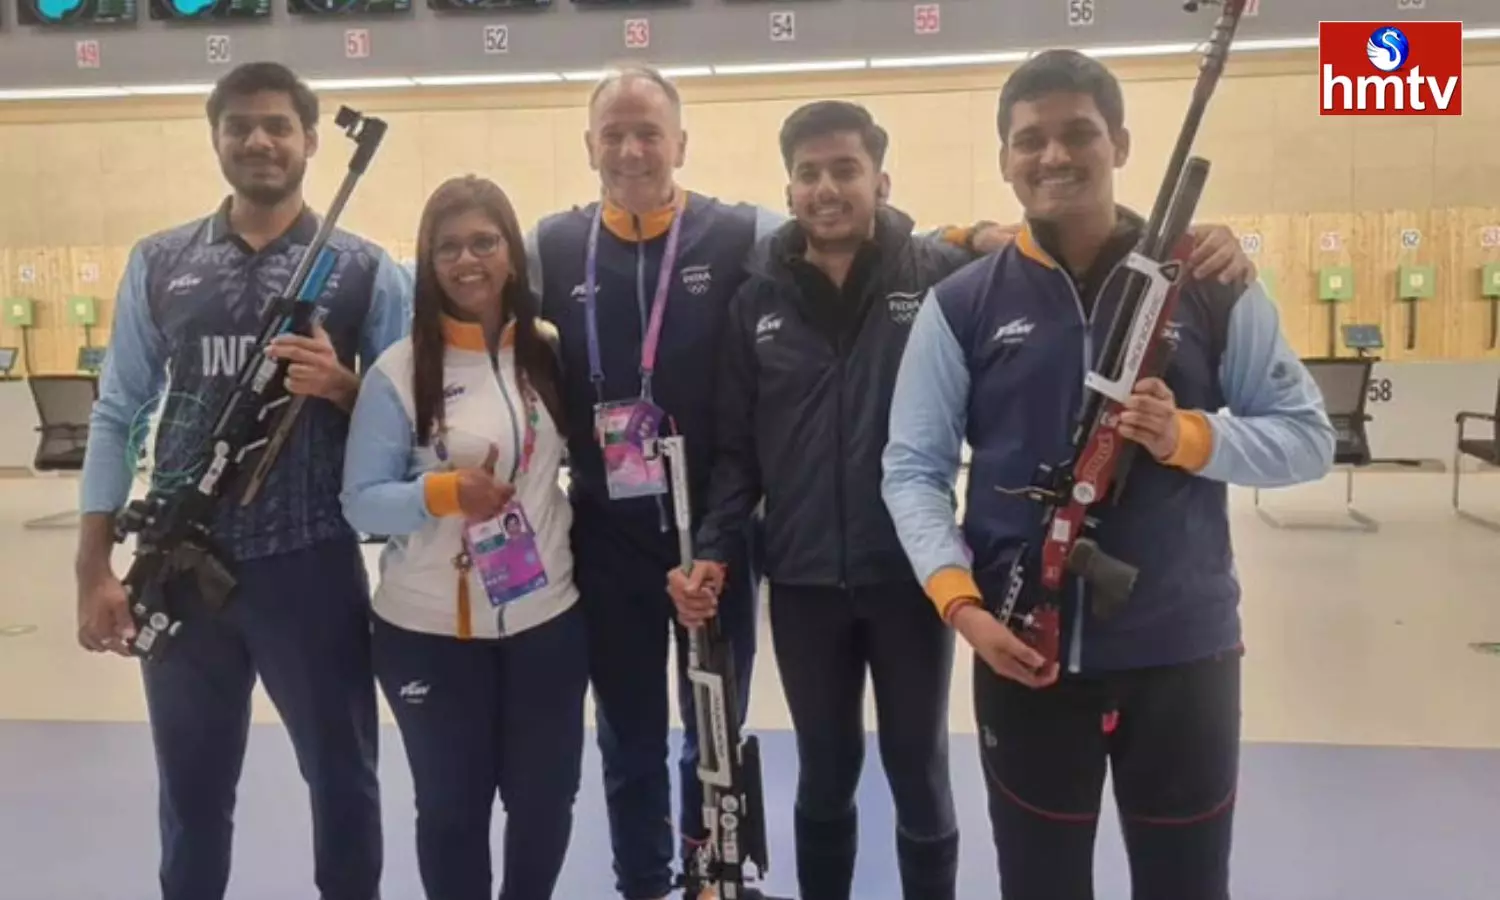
[(988, 237), (314, 369), (1217, 254)]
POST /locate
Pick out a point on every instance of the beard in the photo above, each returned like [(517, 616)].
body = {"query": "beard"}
[(262, 192)]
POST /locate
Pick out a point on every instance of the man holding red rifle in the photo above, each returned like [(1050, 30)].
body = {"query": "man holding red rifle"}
[(997, 357)]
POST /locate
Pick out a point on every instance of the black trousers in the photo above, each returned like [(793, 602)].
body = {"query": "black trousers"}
[(299, 622), (1170, 738), (826, 641)]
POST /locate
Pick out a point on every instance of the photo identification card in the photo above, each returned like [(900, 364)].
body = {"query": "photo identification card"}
[(627, 432), (505, 554)]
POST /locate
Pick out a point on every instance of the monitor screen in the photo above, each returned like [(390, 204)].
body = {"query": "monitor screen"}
[(7, 359), (169, 10), (82, 13), (484, 5), (90, 359), (346, 7), (1363, 337)]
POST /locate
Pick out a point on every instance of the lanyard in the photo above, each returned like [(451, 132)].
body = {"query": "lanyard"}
[(524, 436), (658, 304)]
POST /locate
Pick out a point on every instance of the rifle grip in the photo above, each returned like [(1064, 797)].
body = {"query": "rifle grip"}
[(1112, 578), (1042, 632)]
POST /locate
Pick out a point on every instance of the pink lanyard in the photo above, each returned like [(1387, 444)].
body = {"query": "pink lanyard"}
[(652, 336), (524, 434)]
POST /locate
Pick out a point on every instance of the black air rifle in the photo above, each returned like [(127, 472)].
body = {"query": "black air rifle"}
[(728, 763), (1134, 348), (173, 527)]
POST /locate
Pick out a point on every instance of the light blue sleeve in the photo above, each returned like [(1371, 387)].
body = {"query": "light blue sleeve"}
[(923, 454), (133, 375), (1275, 431), (389, 319), (378, 496)]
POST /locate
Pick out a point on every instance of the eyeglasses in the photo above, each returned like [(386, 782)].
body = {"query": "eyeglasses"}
[(479, 246)]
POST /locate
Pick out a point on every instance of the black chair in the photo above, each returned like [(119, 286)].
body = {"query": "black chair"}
[(1345, 385), (63, 406), (1486, 450)]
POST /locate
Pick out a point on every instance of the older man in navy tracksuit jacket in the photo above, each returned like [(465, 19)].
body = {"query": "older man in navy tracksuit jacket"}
[(996, 358)]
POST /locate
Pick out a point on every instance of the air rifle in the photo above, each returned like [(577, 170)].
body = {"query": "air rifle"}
[(173, 526), (1134, 348), (728, 765)]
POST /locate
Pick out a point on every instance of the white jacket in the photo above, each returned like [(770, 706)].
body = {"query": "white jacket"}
[(394, 488)]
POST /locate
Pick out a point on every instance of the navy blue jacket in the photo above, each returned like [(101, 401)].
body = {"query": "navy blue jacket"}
[(997, 359), (715, 241), (805, 381)]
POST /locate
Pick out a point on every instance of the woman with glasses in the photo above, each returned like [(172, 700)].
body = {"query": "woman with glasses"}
[(454, 451)]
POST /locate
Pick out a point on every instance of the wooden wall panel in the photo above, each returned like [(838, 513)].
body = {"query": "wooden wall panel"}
[(84, 185)]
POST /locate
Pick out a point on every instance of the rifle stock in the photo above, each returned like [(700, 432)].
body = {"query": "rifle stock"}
[(173, 527)]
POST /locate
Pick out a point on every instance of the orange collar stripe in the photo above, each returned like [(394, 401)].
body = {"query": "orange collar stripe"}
[(462, 335), (1026, 243), (621, 223)]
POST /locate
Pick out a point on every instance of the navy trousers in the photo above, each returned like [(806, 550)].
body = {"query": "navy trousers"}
[(829, 642), (480, 717), (299, 621), (1169, 735), (630, 622)]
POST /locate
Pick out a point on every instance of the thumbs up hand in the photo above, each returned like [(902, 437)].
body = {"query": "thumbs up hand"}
[(479, 495)]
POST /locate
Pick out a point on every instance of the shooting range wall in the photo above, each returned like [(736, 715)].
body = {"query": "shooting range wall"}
[(83, 179)]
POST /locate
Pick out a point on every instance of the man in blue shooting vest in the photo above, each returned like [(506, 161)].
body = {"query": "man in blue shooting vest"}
[(638, 286), (190, 304), (996, 358)]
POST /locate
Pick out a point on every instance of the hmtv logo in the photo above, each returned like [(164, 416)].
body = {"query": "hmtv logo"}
[(1390, 69)]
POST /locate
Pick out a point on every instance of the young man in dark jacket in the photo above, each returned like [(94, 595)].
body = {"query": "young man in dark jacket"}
[(807, 370), (996, 358)]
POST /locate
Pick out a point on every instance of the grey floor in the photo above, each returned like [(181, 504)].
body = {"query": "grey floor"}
[(1371, 725)]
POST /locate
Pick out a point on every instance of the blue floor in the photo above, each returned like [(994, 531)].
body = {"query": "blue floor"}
[(77, 822)]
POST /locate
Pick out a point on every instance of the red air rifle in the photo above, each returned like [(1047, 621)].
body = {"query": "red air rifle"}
[(1132, 350)]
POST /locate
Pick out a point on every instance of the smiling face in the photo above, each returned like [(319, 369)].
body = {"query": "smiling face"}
[(472, 263), (1060, 155), (836, 188), (262, 146), (635, 142)]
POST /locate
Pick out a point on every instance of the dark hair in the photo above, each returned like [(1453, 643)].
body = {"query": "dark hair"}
[(1062, 71), (825, 117), (536, 363), (256, 77)]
